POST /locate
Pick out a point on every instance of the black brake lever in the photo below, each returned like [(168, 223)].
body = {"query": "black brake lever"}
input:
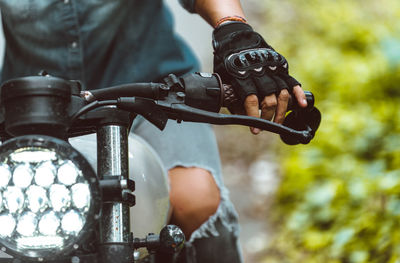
[(158, 114), (182, 112)]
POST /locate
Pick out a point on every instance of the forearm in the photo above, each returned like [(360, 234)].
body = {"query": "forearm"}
[(213, 10)]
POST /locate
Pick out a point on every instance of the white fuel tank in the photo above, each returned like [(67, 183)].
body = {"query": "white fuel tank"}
[(152, 209)]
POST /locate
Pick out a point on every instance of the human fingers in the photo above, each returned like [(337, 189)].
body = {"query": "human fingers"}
[(281, 108), (300, 96), (268, 107), (251, 107)]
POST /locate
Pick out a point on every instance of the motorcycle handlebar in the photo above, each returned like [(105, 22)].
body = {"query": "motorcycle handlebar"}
[(199, 90), (46, 103), (198, 97)]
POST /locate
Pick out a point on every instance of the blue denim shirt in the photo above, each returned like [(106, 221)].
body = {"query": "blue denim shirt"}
[(100, 42)]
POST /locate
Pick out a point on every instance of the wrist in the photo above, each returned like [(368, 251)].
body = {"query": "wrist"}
[(213, 10), (227, 19)]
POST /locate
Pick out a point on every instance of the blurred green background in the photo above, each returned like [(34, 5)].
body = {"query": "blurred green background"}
[(336, 200), (339, 197)]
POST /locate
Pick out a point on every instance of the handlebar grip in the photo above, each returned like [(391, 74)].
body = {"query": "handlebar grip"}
[(229, 97), (293, 104)]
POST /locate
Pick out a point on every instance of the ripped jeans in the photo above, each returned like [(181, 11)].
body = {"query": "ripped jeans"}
[(194, 145)]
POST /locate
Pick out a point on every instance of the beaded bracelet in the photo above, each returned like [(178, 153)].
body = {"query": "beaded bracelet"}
[(230, 18)]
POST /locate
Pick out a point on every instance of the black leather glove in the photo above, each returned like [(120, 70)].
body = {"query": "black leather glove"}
[(243, 59)]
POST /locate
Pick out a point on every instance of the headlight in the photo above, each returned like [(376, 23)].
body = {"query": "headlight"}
[(49, 198)]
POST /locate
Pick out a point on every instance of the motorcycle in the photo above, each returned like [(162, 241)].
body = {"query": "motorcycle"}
[(58, 204)]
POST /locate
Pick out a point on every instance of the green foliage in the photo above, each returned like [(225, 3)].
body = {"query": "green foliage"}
[(339, 200)]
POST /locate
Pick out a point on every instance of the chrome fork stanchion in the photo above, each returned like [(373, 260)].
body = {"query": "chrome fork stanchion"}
[(112, 160), (112, 150)]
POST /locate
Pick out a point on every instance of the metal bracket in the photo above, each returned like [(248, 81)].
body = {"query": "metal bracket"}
[(118, 190)]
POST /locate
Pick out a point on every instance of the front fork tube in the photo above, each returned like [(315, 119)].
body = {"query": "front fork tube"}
[(112, 160)]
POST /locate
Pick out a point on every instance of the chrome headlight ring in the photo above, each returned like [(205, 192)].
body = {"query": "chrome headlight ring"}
[(50, 198)]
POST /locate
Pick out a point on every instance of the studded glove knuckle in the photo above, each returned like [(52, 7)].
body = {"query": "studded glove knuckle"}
[(242, 54)]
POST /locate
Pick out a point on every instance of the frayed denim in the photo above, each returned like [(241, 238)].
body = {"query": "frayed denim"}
[(194, 145)]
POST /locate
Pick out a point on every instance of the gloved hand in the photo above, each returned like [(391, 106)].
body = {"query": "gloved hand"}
[(259, 75)]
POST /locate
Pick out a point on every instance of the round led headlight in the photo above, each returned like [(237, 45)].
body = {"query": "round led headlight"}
[(50, 198)]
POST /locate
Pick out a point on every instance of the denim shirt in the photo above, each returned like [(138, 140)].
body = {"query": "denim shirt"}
[(100, 42)]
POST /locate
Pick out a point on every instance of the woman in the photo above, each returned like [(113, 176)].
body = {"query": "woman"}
[(109, 42)]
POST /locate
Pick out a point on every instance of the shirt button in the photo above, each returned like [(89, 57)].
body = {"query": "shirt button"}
[(74, 44), (66, 1)]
